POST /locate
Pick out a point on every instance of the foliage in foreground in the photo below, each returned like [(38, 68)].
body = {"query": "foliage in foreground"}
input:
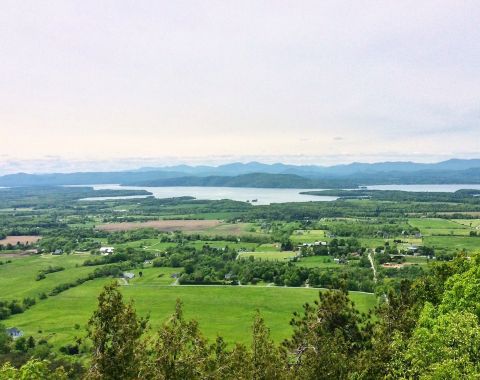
[(32, 370)]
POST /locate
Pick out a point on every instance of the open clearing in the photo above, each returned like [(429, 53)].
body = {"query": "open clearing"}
[(207, 227), (440, 227), (162, 225), (23, 239), (453, 242), (472, 223), (221, 310), (269, 255), (434, 223), (317, 262)]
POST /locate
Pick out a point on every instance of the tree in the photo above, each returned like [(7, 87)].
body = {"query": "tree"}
[(34, 369), (328, 338), (5, 340), (266, 362), (286, 245), (462, 290), (179, 351), (397, 317), (444, 346), (21, 344), (115, 331)]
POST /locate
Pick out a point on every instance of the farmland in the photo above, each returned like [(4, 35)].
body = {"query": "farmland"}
[(230, 261), (13, 240), (163, 225), (227, 311)]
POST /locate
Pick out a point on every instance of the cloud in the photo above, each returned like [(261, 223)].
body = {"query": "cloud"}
[(90, 82)]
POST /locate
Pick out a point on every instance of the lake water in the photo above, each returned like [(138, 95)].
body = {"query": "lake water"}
[(426, 188), (263, 196)]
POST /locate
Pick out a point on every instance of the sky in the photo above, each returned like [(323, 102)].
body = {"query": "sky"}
[(118, 84)]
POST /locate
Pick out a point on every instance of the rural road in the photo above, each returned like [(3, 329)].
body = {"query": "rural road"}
[(372, 263)]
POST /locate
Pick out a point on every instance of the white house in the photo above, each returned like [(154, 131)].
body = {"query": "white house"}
[(14, 332), (105, 251)]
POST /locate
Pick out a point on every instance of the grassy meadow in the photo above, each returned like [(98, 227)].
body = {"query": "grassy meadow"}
[(220, 310)]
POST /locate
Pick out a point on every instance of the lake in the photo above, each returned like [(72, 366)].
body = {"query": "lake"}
[(263, 196), (446, 188), (243, 194)]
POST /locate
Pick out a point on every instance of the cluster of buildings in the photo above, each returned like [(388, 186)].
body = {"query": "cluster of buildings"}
[(106, 251), (314, 244)]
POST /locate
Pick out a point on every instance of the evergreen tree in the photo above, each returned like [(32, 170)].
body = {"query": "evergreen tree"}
[(115, 332)]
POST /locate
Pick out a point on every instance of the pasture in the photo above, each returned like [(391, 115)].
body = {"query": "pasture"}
[(220, 310), (17, 278), (308, 236), (204, 227), (162, 225), (269, 255), (471, 223), (317, 262), (440, 227), (453, 242)]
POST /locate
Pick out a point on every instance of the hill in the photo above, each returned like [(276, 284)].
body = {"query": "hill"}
[(255, 174)]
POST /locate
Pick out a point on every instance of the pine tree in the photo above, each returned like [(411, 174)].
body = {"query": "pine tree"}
[(115, 331)]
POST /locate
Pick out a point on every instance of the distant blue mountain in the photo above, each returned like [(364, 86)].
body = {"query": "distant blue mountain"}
[(258, 174), (239, 168)]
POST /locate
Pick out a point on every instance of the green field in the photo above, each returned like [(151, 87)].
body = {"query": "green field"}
[(473, 223), (308, 236), (198, 244), (453, 242), (317, 262), (269, 247), (418, 260), (442, 227), (220, 310), (17, 279), (154, 245), (224, 310), (428, 223), (269, 255)]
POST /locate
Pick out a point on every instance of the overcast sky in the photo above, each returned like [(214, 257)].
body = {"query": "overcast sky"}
[(213, 81)]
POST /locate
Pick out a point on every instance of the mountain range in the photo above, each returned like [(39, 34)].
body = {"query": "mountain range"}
[(256, 174)]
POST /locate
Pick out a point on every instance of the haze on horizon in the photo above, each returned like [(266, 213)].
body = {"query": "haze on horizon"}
[(130, 83)]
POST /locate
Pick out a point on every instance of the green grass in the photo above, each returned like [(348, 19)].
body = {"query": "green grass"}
[(441, 227), (269, 255), (154, 276), (453, 242), (153, 245), (435, 223), (275, 247), (317, 262), (198, 244), (422, 261), (17, 279), (473, 223), (308, 236), (228, 229), (446, 231), (221, 310)]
